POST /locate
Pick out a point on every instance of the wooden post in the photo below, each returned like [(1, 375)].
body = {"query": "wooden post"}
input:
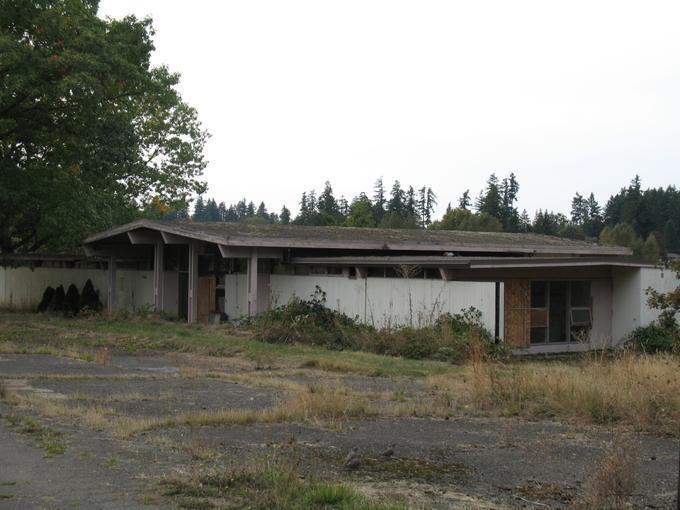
[(252, 283), (111, 304), (678, 493), (192, 287), (158, 266)]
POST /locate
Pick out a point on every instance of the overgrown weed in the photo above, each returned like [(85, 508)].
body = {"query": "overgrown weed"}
[(641, 391), (50, 440), (267, 482), (613, 478)]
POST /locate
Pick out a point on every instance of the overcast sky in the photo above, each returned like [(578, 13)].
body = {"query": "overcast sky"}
[(571, 96)]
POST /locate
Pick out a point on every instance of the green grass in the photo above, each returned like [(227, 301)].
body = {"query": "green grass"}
[(50, 440), (264, 485), (30, 333)]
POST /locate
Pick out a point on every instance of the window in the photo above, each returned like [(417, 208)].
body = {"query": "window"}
[(538, 313), (561, 311)]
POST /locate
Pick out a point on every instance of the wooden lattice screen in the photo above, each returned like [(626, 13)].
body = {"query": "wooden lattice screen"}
[(517, 313)]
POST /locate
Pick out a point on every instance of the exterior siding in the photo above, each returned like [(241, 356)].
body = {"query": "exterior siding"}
[(21, 288), (382, 302)]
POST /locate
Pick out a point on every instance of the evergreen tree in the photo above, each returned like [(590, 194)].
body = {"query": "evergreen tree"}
[(250, 212), (343, 206), (524, 221), (199, 210), (671, 239), (284, 218), (430, 204), (421, 206), (548, 222), (328, 207), (490, 200), (211, 211), (262, 212), (464, 201), (397, 199), (411, 208), (231, 215), (509, 215), (242, 209), (579, 210), (222, 211), (379, 200)]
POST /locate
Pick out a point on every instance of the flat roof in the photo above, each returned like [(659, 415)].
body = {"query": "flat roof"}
[(374, 239), (473, 262)]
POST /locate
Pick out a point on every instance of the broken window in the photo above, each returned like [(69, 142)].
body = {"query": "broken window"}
[(561, 311)]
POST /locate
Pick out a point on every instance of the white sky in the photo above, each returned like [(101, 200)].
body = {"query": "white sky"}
[(571, 96)]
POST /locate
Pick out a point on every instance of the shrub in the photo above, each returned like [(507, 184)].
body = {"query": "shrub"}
[(57, 301), (46, 300), (311, 322), (655, 338), (71, 301), (89, 298)]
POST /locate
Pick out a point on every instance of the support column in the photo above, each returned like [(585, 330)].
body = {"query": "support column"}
[(111, 304), (252, 283), (497, 311), (158, 266), (192, 301)]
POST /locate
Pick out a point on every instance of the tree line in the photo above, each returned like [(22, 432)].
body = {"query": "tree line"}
[(648, 221)]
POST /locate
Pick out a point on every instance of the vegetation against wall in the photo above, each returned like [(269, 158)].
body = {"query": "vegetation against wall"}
[(450, 338)]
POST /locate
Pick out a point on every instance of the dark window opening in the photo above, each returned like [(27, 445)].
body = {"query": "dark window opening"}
[(561, 311)]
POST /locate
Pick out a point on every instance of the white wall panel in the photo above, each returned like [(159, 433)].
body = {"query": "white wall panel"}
[(22, 287)]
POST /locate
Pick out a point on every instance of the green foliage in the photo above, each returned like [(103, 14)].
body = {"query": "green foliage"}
[(265, 484), (668, 303), (360, 213), (656, 338), (311, 322), (650, 249), (50, 440), (308, 322), (90, 132), (464, 219)]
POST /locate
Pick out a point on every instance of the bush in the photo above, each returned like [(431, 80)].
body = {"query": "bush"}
[(46, 300), (311, 322), (655, 338)]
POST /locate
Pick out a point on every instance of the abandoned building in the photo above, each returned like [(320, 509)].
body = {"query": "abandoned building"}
[(536, 293)]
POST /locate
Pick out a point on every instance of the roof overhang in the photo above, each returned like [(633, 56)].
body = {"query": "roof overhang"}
[(173, 233), (474, 262)]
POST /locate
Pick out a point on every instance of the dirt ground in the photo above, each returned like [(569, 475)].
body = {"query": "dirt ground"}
[(437, 463)]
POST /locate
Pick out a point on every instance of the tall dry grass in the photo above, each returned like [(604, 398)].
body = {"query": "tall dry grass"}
[(642, 391), (613, 478)]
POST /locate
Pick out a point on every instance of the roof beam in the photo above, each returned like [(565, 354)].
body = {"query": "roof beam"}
[(447, 274), (169, 238), (241, 252), (144, 237)]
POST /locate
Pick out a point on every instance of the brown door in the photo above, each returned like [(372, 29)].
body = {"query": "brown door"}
[(206, 298), (517, 313)]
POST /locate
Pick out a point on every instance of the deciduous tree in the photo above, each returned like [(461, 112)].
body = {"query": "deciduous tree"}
[(90, 131)]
